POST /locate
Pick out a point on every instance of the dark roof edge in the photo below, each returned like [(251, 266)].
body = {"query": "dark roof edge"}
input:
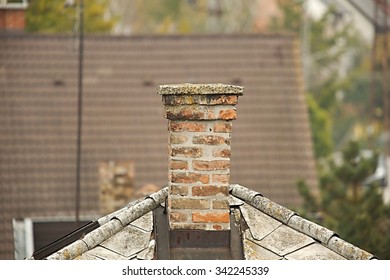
[(116, 223), (327, 237)]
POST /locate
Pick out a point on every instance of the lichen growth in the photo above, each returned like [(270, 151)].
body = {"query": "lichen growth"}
[(187, 88)]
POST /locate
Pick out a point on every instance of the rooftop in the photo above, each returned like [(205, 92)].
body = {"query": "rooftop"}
[(267, 230), (38, 88)]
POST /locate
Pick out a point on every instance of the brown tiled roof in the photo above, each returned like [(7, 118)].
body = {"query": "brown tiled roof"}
[(268, 231), (122, 115)]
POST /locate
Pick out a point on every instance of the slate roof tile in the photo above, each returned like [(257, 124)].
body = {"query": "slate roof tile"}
[(128, 241), (314, 252), (117, 233), (260, 224), (253, 251), (318, 234), (285, 240), (101, 253)]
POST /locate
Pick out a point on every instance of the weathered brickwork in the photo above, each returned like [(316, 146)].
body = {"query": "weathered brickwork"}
[(199, 125)]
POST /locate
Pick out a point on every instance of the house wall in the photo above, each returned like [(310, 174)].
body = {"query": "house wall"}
[(12, 19)]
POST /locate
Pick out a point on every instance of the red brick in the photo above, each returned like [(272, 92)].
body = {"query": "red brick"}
[(211, 217), (188, 126), (223, 127), (217, 227), (178, 217), (210, 140), (229, 114), (221, 178), (209, 190), (177, 139), (189, 203), (188, 178), (225, 153), (211, 114), (213, 99), (191, 152), (201, 165), (179, 190), (179, 165), (222, 99), (221, 204), (185, 113), (178, 99)]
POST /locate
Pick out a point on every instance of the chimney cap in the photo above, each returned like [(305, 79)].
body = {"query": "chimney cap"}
[(198, 89)]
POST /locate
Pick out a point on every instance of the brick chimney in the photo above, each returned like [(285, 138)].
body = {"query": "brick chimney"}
[(12, 15), (200, 123)]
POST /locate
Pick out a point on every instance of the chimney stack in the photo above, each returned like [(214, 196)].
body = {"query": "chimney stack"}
[(199, 123)]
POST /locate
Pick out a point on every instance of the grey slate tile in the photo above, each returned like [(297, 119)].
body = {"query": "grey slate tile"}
[(253, 251), (103, 253), (129, 241), (148, 253), (285, 240), (145, 222), (314, 251), (260, 224), (88, 256)]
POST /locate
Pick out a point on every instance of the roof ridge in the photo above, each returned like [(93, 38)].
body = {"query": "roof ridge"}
[(117, 222), (327, 237), (108, 217)]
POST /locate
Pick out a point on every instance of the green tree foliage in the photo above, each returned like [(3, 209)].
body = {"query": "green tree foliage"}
[(330, 39), (192, 16), (291, 19), (357, 213), (51, 16), (169, 16), (321, 125)]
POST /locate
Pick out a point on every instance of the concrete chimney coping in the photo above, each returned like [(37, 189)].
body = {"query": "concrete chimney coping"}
[(198, 89)]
